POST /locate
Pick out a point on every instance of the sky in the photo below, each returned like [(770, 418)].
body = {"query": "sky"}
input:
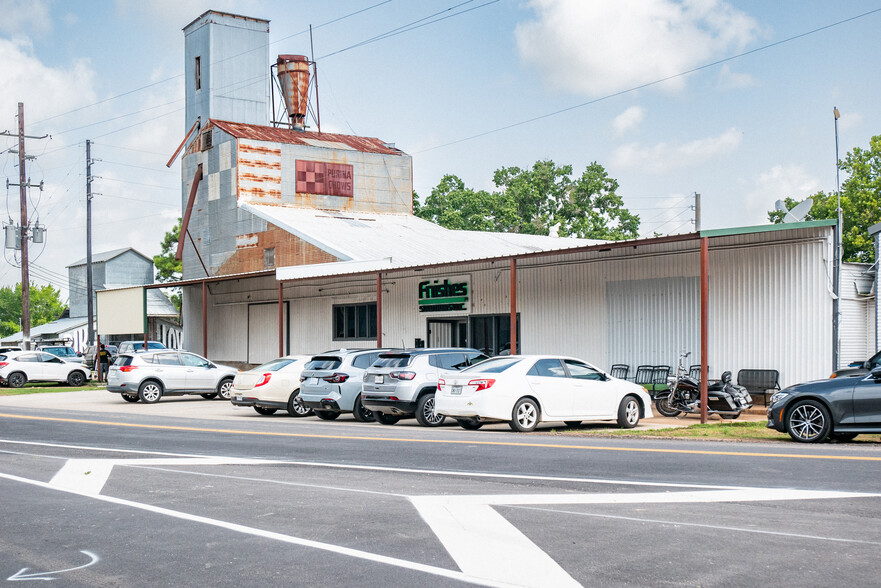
[(731, 100)]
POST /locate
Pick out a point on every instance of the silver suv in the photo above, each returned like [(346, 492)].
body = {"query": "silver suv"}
[(331, 383), (402, 383), (150, 375)]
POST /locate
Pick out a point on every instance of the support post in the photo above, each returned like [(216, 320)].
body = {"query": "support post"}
[(379, 309), (98, 357), (90, 288), (25, 276), (705, 322), (513, 306), (280, 320), (204, 319)]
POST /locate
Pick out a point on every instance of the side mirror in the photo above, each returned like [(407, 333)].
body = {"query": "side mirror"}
[(876, 373)]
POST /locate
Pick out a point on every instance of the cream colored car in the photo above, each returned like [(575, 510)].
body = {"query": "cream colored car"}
[(272, 386)]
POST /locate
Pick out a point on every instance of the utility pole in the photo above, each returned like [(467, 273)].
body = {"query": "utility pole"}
[(24, 184), (91, 293)]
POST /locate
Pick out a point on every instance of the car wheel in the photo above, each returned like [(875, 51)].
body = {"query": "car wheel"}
[(385, 419), (469, 424), (295, 409), (730, 417), (16, 380), (361, 414), (808, 422), (76, 378), (525, 416), (628, 413), (265, 411), (572, 423), (150, 392), (327, 415), (209, 396), (662, 403), (425, 414), (130, 397), (225, 388), (843, 437)]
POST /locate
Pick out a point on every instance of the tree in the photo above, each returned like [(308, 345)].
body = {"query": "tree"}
[(169, 269), (532, 201), (46, 306), (860, 202)]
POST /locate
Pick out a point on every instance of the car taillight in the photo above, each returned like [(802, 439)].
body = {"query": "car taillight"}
[(830, 377), (4, 364), (482, 384), (440, 382), (402, 375), (265, 380), (128, 368), (302, 378), (336, 378)]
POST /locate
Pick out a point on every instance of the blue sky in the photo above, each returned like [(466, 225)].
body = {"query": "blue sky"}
[(743, 133)]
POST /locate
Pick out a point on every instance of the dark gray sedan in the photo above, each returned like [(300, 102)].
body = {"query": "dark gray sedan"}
[(838, 408)]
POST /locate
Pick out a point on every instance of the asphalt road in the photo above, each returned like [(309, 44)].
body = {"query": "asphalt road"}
[(101, 492)]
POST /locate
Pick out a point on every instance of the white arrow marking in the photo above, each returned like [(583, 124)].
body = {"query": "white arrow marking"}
[(20, 574), (485, 545)]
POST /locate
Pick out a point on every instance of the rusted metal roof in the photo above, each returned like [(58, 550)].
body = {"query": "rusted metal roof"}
[(278, 135)]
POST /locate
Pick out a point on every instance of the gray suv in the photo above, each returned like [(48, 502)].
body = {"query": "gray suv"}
[(402, 383), (150, 375), (331, 383)]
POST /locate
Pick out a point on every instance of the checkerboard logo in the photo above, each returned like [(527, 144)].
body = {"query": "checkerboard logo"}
[(331, 179)]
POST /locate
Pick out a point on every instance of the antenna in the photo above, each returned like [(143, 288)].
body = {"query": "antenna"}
[(798, 212)]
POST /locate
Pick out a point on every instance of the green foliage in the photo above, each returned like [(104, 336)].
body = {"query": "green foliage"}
[(860, 202), (46, 306), (168, 269), (532, 201)]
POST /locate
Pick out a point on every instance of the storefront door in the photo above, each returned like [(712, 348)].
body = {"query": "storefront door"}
[(448, 333)]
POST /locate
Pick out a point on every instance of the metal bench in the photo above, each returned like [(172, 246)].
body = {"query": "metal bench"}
[(758, 381), (619, 370)]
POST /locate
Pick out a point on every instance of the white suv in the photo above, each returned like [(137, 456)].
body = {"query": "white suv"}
[(150, 375), (402, 383)]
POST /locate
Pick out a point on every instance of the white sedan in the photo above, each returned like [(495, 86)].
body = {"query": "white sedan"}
[(525, 390), (272, 386), (19, 367)]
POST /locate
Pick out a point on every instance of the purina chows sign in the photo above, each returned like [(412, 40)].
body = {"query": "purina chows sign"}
[(447, 295)]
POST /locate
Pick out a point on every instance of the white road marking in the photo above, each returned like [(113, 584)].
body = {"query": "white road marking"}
[(337, 549), (20, 574), (485, 545)]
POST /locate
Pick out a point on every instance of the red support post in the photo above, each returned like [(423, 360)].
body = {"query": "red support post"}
[(379, 309), (280, 320), (204, 318), (513, 306), (705, 322)]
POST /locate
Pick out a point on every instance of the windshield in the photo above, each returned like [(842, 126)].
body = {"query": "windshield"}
[(492, 366), (393, 361), (275, 365), (324, 363)]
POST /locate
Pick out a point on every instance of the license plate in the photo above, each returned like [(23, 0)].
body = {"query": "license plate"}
[(313, 381), (377, 379), (238, 397), (456, 390)]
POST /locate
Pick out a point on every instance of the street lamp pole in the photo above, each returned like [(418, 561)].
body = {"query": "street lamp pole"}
[(836, 278)]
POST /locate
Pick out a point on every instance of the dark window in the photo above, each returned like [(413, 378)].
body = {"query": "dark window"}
[(269, 258), (166, 359), (548, 368), (393, 361), (123, 360), (475, 357), (323, 363), (449, 361), (494, 366), (274, 365), (364, 361), (198, 73), (194, 360), (354, 321), (28, 357), (582, 371), (492, 333)]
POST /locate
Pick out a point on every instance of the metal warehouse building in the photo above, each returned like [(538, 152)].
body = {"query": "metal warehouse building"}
[(296, 241)]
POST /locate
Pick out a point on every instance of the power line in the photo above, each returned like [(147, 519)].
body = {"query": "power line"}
[(652, 83)]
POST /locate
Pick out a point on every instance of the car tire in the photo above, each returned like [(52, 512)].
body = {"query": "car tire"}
[(842, 437), (664, 407), (469, 424), (150, 392), (808, 421), (361, 414), (76, 378), (16, 380), (295, 409), (265, 411), (327, 415), (425, 414), (571, 423), (224, 389), (130, 397), (525, 416), (385, 419), (628, 412), (729, 417), (209, 396)]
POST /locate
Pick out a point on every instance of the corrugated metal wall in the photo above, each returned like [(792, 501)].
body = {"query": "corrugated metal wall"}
[(856, 333)]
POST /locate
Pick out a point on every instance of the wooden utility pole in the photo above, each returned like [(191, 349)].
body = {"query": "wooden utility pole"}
[(90, 292), (25, 276)]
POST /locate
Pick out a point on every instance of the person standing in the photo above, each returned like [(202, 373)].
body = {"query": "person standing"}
[(104, 359)]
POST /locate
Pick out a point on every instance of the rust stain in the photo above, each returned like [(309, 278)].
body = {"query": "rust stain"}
[(260, 193), (289, 250), (249, 177), (259, 149), (260, 164)]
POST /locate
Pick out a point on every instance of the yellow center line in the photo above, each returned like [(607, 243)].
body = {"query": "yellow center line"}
[(442, 441)]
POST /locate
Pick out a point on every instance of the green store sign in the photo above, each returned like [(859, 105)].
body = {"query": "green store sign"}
[(437, 296)]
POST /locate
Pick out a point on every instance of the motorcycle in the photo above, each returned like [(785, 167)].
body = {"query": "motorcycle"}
[(684, 395)]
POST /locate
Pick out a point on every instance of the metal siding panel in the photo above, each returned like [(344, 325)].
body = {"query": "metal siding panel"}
[(854, 331)]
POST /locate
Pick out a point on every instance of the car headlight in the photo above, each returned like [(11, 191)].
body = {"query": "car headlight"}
[(777, 397)]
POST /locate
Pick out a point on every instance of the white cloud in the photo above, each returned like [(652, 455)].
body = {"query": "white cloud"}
[(178, 14), (729, 80), (849, 120), (596, 48), (19, 15), (664, 157), (628, 120), (781, 181)]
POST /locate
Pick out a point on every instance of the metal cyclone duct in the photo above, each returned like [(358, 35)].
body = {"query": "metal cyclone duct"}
[(293, 77)]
